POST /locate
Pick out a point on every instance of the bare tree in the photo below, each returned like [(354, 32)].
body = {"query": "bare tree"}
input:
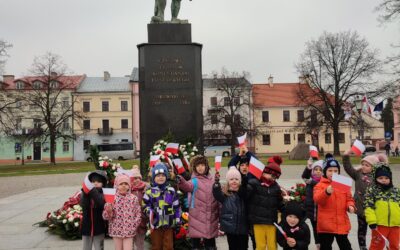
[(4, 47), (390, 10), (51, 99), (337, 67), (230, 114)]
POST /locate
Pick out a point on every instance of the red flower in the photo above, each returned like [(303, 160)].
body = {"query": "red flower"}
[(296, 193), (105, 164), (303, 197), (292, 188), (181, 233)]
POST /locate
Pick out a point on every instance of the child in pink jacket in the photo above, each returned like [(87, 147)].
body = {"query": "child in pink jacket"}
[(123, 214)]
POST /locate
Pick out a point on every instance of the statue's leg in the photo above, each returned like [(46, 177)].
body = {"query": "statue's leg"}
[(161, 8), (175, 7)]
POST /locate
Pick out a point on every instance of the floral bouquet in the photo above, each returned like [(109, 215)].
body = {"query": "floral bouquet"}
[(296, 193), (66, 221), (109, 167)]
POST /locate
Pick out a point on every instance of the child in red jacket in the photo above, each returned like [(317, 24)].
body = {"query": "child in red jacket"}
[(333, 205)]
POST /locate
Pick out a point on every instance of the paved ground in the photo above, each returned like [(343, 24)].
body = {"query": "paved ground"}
[(27, 199)]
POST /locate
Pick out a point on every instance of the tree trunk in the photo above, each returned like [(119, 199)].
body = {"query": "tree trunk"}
[(52, 149), (336, 149), (22, 154)]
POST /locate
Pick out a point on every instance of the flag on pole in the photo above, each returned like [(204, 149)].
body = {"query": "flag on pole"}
[(179, 165), (280, 230), (379, 107), (87, 185), (314, 152), (341, 182), (366, 108), (154, 159), (358, 147), (218, 160), (169, 161), (173, 148), (186, 163), (242, 140), (109, 194), (256, 167)]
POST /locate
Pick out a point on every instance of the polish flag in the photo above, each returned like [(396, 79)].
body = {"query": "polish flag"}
[(87, 185), (186, 163), (179, 165), (173, 148), (280, 230), (256, 167), (314, 151), (154, 159), (169, 161), (242, 140), (366, 107), (218, 160), (109, 194), (358, 147), (341, 182)]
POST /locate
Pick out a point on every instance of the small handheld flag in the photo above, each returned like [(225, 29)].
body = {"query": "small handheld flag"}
[(314, 151), (186, 163), (179, 166), (154, 159), (172, 148), (379, 107), (242, 140), (341, 182), (218, 160), (358, 147), (87, 185), (109, 194), (280, 230), (256, 167)]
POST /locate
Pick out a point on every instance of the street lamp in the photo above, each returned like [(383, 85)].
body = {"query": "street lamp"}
[(360, 122)]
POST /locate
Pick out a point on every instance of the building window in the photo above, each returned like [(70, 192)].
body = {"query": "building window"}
[(214, 119), (328, 138), (86, 144), (226, 101), (66, 125), (65, 102), (18, 147), (20, 85), (286, 139), (104, 106), (37, 123), (18, 123), (124, 123), (37, 85), (301, 138), (265, 116), (54, 85), (228, 119), (300, 115), (66, 146), (124, 140), (341, 138), (314, 116), (236, 101), (86, 124), (213, 101), (286, 115), (18, 103), (124, 105), (86, 106), (266, 139)]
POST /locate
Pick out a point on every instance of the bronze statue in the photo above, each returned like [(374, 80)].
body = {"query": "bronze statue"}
[(159, 9)]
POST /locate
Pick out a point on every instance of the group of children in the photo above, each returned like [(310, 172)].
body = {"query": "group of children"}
[(245, 206)]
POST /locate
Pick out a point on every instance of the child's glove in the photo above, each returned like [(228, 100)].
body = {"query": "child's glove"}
[(372, 226)]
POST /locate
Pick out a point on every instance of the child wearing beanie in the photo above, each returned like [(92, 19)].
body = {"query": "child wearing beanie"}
[(161, 206), (333, 205), (382, 209), (293, 224), (123, 214), (312, 175), (233, 219), (363, 178), (243, 159), (138, 188), (264, 200), (203, 207)]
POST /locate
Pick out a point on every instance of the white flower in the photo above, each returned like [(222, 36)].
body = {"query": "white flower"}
[(115, 173), (176, 154), (154, 147), (58, 217), (110, 160), (113, 167), (118, 165), (76, 224), (105, 157), (101, 163), (161, 141), (192, 154), (185, 153), (70, 219), (189, 143), (100, 158), (162, 157), (76, 207), (165, 143), (194, 148), (151, 153), (169, 153), (64, 221)]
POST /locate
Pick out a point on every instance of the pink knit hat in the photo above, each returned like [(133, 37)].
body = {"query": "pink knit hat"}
[(136, 171), (122, 178), (233, 173), (371, 159)]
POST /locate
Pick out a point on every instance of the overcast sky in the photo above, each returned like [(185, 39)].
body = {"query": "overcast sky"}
[(260, 36)]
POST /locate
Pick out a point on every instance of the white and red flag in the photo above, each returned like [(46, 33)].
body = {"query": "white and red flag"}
[(179, 166), (173, 148), (341, 182), (256, 167), (314, 151), (366, 107), (87, 185), (153, 160), (280, 230), (242, 140), (358, 147), (186, 163), (218, 160), (109, 194)]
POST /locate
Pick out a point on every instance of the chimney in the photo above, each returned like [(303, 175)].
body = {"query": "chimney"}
[(53, 74), (271, 81), (8, 78), (106, 76)]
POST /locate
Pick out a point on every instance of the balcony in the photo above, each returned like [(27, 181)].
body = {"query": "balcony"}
[(28, 132), (105, 131)]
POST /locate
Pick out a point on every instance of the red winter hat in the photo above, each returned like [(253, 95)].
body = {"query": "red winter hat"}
[(276, 159), (273, 168)]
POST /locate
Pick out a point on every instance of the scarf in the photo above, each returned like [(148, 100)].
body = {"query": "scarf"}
[(138, 187)]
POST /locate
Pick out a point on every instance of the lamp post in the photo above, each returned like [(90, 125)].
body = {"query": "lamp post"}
[(360, 121)]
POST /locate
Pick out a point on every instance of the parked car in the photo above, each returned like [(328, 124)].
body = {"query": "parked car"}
[(224, 150)]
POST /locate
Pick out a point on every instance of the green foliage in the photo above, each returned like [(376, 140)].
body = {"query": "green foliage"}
[(387, 116), (94, 155)]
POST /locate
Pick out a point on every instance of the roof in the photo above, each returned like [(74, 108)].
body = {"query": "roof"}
[(279, 94), (71, 81), (97, 84), (134, 75)]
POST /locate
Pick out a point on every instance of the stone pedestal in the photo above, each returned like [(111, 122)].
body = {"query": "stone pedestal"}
[(170, 86)]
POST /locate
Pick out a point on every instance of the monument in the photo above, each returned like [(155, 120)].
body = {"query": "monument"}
[(170, 83)]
